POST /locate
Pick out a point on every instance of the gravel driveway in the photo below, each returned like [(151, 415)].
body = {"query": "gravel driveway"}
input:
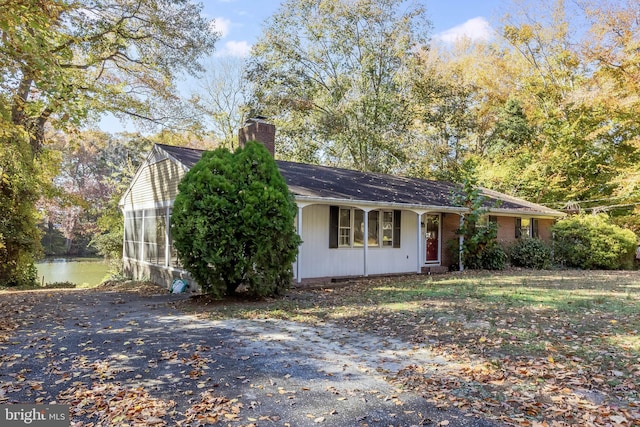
[(117, 357)]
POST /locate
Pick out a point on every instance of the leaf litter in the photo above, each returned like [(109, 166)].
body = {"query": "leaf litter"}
[(526, 348), (102, 401), (511, 358)]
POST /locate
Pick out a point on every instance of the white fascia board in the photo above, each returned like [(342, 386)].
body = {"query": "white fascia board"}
[(303, 201), (306, 201)]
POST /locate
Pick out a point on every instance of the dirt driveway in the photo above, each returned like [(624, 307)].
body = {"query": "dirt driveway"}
[(126, 359)]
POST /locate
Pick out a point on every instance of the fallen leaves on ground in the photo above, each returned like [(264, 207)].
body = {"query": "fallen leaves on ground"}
[(132, 286), (526, 348), (110, 404), (211, 409)]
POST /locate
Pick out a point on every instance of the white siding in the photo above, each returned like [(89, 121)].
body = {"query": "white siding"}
[(318, 260), (154, 184)]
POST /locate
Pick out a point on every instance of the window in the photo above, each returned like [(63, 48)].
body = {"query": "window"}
[(155, 228), (358, 227), (387, 228), (133, 234), (527, 227), (485, 220), (347, 228), (374, 229), (145, 235)]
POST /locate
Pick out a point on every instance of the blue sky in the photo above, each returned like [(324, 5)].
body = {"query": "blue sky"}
[(240, 21)]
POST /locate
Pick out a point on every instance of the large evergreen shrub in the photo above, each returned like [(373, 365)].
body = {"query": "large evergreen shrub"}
[(233, 223), (593, 242)]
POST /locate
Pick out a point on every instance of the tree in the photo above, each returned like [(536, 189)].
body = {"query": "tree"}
[(222, 99), (62, 61), (233, 223), (332, 76), (19, 235), (120, 157), (443, 103), (479, 245)]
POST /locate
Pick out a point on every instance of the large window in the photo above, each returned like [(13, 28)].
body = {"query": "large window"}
[(173, 253), (358, 227), (347, 228)]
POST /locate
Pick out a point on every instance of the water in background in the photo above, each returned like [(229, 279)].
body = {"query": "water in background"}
[(81, 271)]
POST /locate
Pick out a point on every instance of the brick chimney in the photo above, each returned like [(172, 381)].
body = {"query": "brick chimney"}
[(257, 129)]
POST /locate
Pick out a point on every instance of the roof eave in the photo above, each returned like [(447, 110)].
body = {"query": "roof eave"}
[(309, 200)]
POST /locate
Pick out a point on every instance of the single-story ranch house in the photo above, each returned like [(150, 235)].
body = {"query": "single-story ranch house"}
[(351, 223)]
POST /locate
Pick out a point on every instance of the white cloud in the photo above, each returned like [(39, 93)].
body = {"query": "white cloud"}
[(235, 48), (474, 29), (221, 25)]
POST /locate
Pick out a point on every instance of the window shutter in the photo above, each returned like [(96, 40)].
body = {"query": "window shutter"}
[(334, 214), (397, 216), (518, 228)]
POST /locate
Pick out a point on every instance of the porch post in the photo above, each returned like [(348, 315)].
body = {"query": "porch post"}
[(460, 243), (298, 269), (366, 241), (419, 239)]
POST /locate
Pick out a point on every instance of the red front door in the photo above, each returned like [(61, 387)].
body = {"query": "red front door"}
[(432, 237)]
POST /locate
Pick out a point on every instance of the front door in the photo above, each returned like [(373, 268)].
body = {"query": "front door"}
[(432, 238)]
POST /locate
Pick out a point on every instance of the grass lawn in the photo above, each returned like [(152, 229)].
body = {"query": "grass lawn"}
[(523, 347)]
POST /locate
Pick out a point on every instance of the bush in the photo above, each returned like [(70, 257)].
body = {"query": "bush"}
[(493, 258), (489, 257), (530, 253), (593, 242), (233, 223)]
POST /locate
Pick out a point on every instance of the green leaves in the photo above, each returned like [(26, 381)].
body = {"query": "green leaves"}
[(332, 76), (592, 242), (233, 223)]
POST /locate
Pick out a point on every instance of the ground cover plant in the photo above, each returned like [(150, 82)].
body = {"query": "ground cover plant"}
[(522, 347)]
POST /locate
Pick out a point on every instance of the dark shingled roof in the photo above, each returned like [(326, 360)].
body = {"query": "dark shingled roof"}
[(322, 182)]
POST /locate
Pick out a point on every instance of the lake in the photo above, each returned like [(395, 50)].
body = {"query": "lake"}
[(81, 271)]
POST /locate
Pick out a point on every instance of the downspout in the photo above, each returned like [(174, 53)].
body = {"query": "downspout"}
[(298, 269), (366, 241), (419, 252), (461, 243)]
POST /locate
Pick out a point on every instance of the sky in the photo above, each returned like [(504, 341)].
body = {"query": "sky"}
[(240, 21)]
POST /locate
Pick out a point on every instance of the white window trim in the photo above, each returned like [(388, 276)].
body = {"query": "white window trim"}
[(351, 227)]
